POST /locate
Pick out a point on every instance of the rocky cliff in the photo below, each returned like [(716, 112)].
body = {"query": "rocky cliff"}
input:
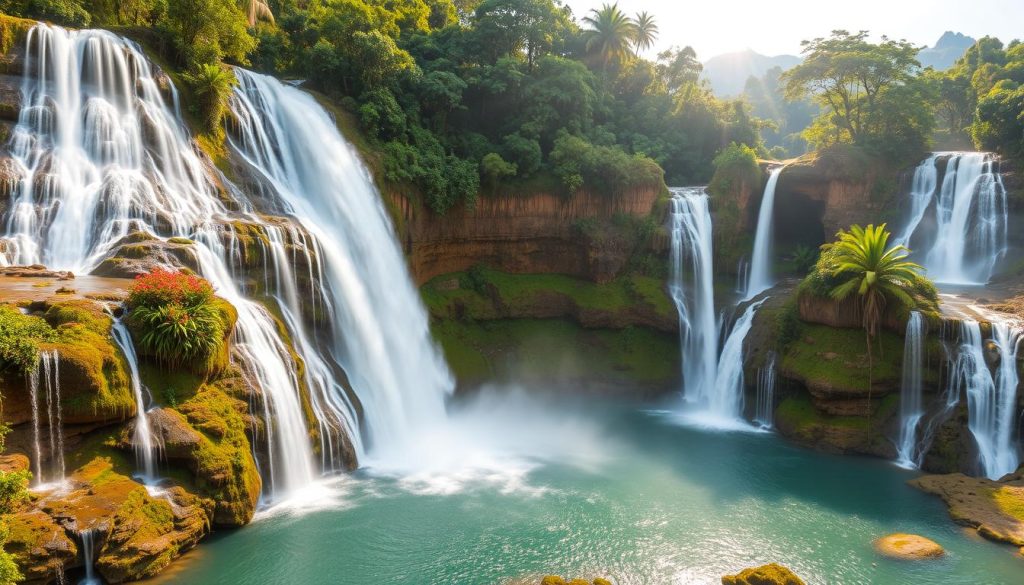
[(576, 235)]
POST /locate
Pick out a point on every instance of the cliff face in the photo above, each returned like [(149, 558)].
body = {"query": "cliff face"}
[(538, 233)]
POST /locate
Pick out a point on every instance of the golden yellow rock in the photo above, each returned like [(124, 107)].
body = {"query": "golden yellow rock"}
[(909, 546), (773, 574)]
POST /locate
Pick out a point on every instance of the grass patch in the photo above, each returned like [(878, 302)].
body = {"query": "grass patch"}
[(798, 413), (838, 357)]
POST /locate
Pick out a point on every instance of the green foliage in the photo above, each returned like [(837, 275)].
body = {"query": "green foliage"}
[(610, 34), (13, 491), (494, 169), (804, 259), (66, 12), (175, 319), (206, 31), (607, 170), (868, 92), (20, 336), (735, 165), (212, 85), (789, 118)]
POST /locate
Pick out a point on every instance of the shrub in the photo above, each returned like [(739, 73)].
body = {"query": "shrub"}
[(607, 170), (175, 319), (212, 85), (736, 164), (19, 339)]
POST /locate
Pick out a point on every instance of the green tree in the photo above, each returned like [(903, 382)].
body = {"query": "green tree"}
[(67, 12), (645, 31), (206, 31), (13, 491), (493, 168), (878, 273), (858, 84), (519, 28), (609, 34)]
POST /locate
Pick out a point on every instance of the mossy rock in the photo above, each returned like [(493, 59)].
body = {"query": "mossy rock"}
[(40, 546), (773, 574), (798, 420), (221, 457)]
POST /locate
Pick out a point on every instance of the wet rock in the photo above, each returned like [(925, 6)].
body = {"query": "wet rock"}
[(13, 463), (36, 271), (994, 508), (137, 534), (139, 253), (772, 574), (10, 97), (909, 547)]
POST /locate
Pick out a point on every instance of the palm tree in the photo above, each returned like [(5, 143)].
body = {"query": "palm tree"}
[(610, 33), (645, 31), (879, 274), (212, 85), (257, 10)]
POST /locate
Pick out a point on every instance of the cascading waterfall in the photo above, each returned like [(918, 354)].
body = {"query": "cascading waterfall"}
[(992, 405), (379, 330), (764, 415), (991, 397), (761, 260), (726, 400), (142, 440), (691, 255), (922, 192), (44, 386), (911, 410), (970, 217), (98, 146), (87, 540)]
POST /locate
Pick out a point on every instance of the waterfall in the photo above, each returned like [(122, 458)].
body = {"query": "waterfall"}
[(911, 409), (742, 275), (726, 400), (44, 386), (691, 257), (378, 328), (970, 217), (101, 155), (764, 415), (87, 540), (991, 397), (142, 440), (922, 191), (761, 260)]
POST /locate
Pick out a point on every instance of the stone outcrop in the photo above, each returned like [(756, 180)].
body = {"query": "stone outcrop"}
[(773, 574), (139, 253), (136, 534), (537, 233), (994, 508), (910, 547)]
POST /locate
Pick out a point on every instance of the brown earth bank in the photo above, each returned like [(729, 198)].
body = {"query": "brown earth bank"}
[(531, 233)]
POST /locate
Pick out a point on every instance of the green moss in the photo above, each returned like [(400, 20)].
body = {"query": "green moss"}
[(1009, 500), (558, 350), (223, 463), (12, 33), (181, 241), (838, 358), (799, 414)]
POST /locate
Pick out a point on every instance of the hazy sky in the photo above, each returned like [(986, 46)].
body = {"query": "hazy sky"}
[(773, 27)]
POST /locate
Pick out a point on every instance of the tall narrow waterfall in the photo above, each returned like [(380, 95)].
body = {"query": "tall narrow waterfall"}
[(379, 330), (991, 397), (102, 155), (966, 234), (726, 399), (87, 544), (761, 261), (44, 393), (911, 408), (142, 440), (691, 258), (764, 415)]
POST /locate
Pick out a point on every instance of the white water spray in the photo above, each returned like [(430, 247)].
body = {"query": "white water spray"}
[(761, 278), (908, 449), (725, 402)]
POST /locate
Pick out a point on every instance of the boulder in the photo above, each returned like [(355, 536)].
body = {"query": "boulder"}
[(772, 574), (909, 547), (40, 546), (139, 252)]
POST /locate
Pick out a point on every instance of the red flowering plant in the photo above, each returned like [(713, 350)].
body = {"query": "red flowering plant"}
[(173, 317)]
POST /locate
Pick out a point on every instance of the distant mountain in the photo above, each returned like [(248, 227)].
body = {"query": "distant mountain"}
[(950, 47), (728, 73)]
